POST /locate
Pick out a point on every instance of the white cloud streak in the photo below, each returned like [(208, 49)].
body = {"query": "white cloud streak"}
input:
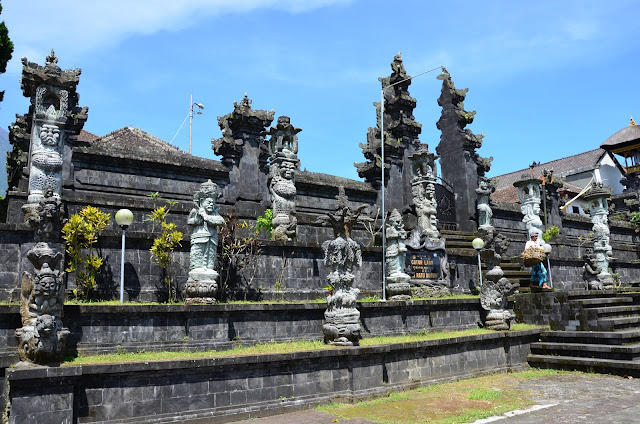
[(78, 26)]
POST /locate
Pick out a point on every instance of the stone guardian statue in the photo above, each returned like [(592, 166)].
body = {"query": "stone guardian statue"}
[(599, 210), (342, 319), (283, 149), (398, 287), (530, 198), (202, 284), (485, 213)]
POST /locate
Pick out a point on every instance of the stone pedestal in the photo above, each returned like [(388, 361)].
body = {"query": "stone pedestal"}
[(202, 287)]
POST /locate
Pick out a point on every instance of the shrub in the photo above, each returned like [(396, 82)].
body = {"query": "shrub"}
[(81, 233), (164, 245)]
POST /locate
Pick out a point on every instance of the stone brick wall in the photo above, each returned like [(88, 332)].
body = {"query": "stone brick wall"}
[(567, 256), (100, 328), (234, 388)]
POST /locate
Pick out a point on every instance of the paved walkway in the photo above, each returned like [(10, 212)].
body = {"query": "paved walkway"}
[(563, 399)]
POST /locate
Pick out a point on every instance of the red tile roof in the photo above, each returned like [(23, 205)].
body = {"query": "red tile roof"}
[(506, 192)]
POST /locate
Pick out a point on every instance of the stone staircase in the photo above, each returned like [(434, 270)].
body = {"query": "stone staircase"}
[(459, 242), (606, 337)]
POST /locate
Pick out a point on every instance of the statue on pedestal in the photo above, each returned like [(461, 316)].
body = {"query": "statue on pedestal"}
[(398, 287), (530, 198), (205, 219), (496, 288), (342, 319), (485, 213)]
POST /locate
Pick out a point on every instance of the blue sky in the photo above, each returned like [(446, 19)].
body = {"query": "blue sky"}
[(548, 79)]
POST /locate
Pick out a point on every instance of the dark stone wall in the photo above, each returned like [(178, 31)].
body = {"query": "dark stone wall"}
[(15, 241), (222, 389), (569, 248), (100, 328)]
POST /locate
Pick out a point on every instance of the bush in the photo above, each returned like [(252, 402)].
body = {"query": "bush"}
[(81, 233), (164, 245)]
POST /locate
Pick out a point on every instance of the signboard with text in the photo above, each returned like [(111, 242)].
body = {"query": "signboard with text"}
[(423, 265)]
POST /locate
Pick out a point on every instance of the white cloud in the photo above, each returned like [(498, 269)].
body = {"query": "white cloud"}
[(77, 26)]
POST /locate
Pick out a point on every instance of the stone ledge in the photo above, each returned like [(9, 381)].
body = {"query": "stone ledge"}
[(36, 372), (218, 390)]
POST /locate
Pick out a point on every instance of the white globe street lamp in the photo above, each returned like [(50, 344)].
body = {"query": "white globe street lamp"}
[(478, 244), (124, 218)]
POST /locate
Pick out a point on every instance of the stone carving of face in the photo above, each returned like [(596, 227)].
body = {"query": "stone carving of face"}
[(46, 284), (208, 204), (287, 170), (49, 135), (431, 190), (45, 325), (417, 191)]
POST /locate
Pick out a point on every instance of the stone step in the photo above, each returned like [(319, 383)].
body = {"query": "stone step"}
[(620, 337), (511, 265), (606, 366), (618, 323), (461, 251), (598, 302), (447, 233), (582, 294), (511, 273), (618, 311), (604, 351), (524, 288)]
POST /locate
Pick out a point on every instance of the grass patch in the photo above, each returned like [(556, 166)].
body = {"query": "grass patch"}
[(144, 356), (112, 303), (268, 348), (458, 402)]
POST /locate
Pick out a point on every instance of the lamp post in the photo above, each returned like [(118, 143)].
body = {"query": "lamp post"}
[(201, 106), (443, 75), (124, 218), (478, 244), (547, 250)]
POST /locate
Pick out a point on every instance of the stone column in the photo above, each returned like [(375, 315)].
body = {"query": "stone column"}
[(401, 132), (459, 162), (283, 149), (599, 211), (53, 122), (42, 337), (530, 197)]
